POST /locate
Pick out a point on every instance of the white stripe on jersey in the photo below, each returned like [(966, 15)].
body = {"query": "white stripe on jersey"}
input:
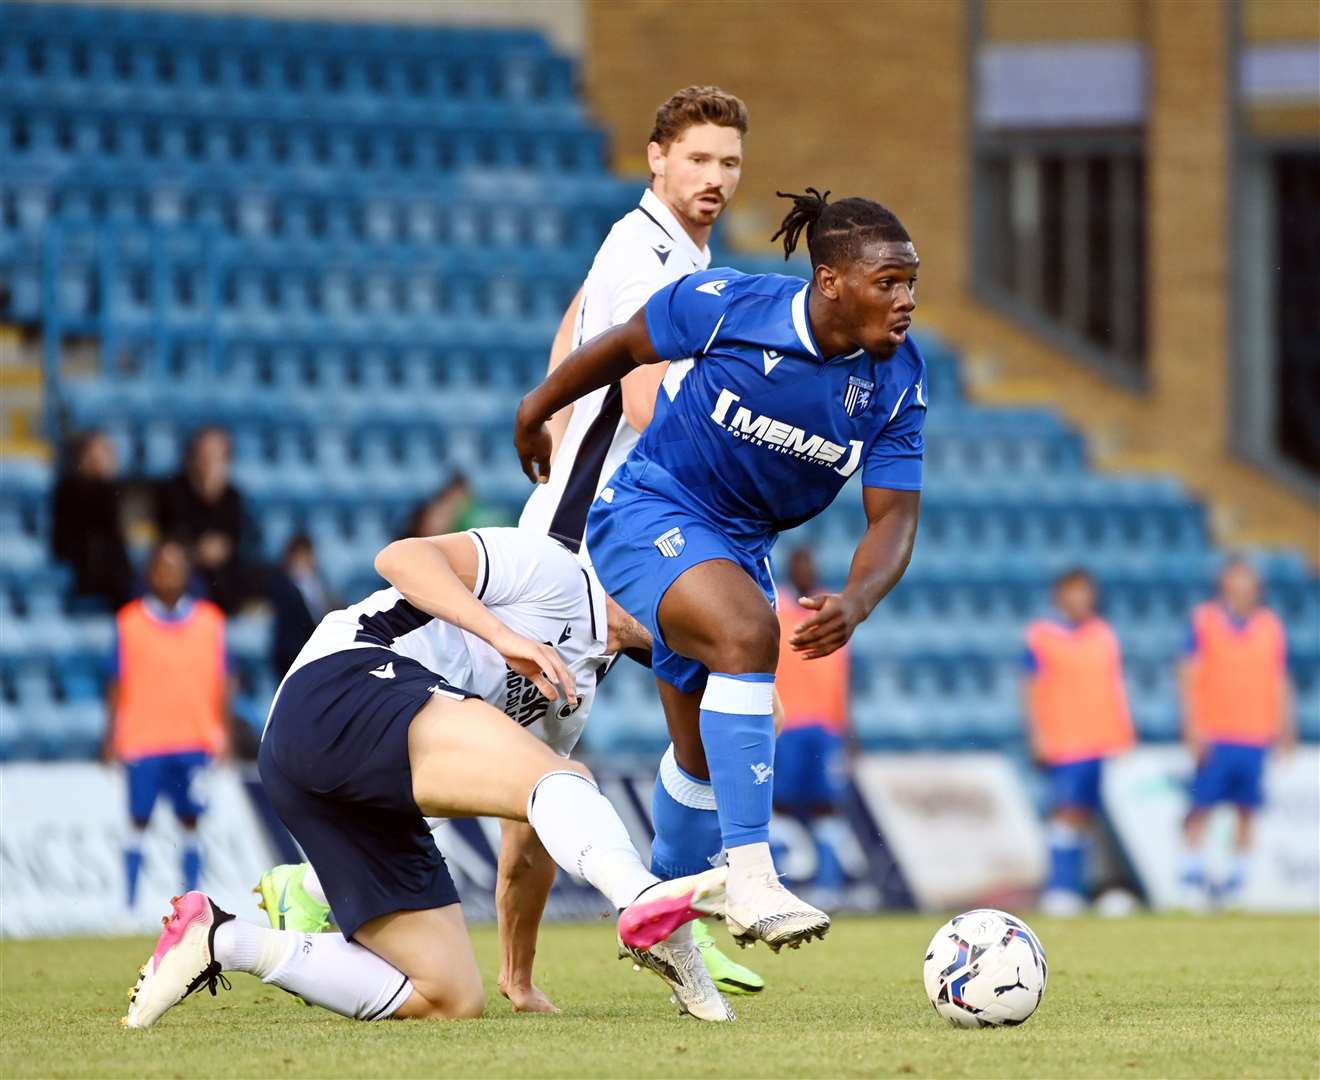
[(531, 584), (646, 250)]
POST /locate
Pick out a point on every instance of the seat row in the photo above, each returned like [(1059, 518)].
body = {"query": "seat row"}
[(337, 299), (266, 217), (78, 68), (40, 134), (149, 28)]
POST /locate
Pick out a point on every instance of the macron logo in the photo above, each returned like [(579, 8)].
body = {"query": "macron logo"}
[(712, 288), (770, 358), (662, 252), (385, 671)]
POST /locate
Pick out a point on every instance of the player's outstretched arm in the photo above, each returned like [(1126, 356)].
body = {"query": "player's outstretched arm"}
[(603, 360), (437, 575), (522, 887), (878, 564)]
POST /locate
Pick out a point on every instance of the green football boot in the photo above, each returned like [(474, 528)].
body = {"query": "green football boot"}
[(728, 976), (287, 904)]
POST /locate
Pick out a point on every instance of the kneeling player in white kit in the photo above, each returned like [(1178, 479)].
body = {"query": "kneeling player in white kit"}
[(366, 735)]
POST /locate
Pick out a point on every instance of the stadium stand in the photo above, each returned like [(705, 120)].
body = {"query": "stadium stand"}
[(350, 246)]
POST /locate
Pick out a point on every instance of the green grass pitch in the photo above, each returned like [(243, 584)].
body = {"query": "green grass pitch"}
[(1141, 997)]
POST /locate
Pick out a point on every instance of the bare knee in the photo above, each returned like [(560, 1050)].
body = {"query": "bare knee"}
[(466, 1002), (748, 645)]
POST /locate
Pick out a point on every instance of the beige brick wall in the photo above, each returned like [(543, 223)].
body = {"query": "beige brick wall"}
[(864, 97)]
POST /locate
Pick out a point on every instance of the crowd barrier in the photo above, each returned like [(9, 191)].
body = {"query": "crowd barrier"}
[(935, 832)]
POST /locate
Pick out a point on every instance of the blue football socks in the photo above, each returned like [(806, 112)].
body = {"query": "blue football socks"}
[(1067, 859), (132, 872), (192, 866), (738, 731), (687, 827)]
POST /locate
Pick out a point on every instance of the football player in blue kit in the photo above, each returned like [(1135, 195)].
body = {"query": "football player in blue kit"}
[(778, 390)]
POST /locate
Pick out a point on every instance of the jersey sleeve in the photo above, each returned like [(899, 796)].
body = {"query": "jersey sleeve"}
[(516, 566), (895, 458), (683, 318)]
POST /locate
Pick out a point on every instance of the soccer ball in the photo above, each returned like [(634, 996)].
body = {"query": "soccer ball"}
[(985, 968)]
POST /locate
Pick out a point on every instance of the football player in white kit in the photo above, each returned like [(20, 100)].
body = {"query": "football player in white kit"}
[(695, 158), (413, 702)]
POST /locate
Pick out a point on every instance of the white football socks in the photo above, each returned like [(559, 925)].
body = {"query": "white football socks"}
[(322, 969), (584, 835)]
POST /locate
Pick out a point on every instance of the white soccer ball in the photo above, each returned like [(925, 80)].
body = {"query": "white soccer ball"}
[(985, 968)]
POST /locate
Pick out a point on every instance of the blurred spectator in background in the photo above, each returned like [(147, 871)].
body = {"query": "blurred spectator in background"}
[(811, 768), (168, 702), (452, 508), (203, 510), (299, 599), (1077, 714), (1237, 703), (86, 529)]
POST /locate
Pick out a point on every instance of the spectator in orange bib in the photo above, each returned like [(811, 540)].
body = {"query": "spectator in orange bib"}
[(811, 768), (168, 705), (1237, 704), (1078, 716)]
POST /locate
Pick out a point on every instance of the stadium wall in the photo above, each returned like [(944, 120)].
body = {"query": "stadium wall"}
[(903, 135)]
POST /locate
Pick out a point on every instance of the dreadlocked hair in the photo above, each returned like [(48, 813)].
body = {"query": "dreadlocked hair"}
[(836, 232)]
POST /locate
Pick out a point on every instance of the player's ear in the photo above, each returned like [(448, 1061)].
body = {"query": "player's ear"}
[(655, 158), (827, 281)]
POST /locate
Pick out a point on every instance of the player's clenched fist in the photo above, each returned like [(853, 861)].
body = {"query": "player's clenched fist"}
[(531, 438)]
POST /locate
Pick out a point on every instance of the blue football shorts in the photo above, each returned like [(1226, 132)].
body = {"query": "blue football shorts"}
[(171, 775), (1076, 784), (640, 544), (1230, 773), (811, 769)]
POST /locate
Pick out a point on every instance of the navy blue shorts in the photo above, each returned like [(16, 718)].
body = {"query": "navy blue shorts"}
[(1230, 773), (811, 769), (640, 544), (334, 761), (171, 775), (1076, 784)]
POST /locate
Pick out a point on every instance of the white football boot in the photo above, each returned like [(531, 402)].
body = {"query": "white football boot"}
[(759, 908), (677, 960), (655, 932), (184, 960)]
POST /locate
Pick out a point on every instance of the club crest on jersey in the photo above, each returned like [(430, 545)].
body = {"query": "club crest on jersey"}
[(671, 543), (857, 395)]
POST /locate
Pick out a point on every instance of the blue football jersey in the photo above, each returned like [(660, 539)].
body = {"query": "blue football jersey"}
[(753, 427)]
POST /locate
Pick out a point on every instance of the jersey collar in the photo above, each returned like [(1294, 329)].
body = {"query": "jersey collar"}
[(654, 208), (802, 325), (158, 610)]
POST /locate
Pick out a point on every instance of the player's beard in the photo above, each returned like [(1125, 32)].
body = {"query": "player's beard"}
[(698, 214)]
